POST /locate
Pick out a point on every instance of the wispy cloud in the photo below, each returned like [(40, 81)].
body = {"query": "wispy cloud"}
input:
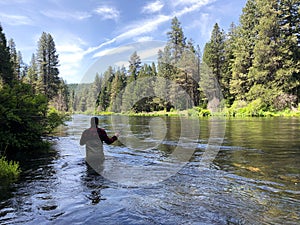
[(143, 27), (112, 51), (185, 2), (71, 54), (148, 54), (92, 49), (138, 31), (192, 5), (135, 30), (204, 25), (108, 12), (151, 52), (13, 1), (153, 7), (143, 38), (147, 26), (66, 15), (122, 63), (15, 20)]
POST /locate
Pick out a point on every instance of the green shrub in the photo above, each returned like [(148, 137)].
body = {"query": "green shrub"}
[(242, 109), (21, 118), (194, 112), (204, 113), (199, 112), (255, 108), (9, 169), (55, 119), (237, 108)]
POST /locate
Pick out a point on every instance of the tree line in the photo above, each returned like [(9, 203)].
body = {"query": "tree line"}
[(120, 89), (31, 96), (255, 63), (258, 61)]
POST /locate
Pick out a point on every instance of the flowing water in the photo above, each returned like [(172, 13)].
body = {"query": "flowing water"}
[(254, 178)]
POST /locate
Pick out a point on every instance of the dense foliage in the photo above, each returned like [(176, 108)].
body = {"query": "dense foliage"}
[(266, 49), (255, 64), (30, 96)]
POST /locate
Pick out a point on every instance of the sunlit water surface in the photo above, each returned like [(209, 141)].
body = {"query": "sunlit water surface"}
[(255, 178)]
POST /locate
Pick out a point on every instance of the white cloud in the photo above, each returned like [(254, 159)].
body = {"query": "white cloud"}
[(71, 55), (153, 7), (15, 20), (186, 2), (204, 24), (108, 12), (122, 63), (147, 26), (66, 15), (132, 31), (70, 64), (69, 48), (92, 49), (112, 51), (193, 6), (150, 53), (143, 27), (143, 38)]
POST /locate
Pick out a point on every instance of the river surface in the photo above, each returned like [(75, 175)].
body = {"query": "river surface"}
[(252, 175)]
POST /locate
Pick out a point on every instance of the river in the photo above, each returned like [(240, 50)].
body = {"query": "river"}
[(252, 175)]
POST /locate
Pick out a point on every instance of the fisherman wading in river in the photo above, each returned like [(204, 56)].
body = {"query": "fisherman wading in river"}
[(93, 138)]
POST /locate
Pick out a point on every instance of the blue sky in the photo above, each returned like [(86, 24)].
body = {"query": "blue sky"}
[(89, 32)]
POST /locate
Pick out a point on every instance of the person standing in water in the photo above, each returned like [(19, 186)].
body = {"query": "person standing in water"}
[(93, 138)]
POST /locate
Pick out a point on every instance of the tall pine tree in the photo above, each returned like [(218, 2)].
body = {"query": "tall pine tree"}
[(134, 66), (275, 69), (243, 48), (288, 76), (47, 60), (14, 58), (176, 40), (214, 55), (32, 74), (6, 71)]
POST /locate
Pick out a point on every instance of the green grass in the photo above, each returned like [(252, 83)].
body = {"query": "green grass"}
[(9, 169), (255, 108)]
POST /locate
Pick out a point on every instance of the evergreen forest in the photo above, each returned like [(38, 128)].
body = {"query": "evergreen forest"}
[(252, 69)]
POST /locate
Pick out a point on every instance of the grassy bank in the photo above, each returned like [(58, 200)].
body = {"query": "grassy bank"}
[(255, 108), (247, 111)]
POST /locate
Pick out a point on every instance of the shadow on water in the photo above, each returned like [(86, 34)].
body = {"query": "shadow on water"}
[(31, 166), (254, 180)]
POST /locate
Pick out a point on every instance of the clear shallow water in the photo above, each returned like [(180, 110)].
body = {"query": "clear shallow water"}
[(255, 178)]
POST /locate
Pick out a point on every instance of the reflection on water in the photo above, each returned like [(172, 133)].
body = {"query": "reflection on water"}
[(255, 179)]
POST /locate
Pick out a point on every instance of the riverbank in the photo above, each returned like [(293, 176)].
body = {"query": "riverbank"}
[(247, 111)]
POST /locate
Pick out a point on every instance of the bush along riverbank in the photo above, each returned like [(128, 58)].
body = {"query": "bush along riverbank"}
[(242, 109), (258, 108), (9, 170), (25, 122), (33, 102), (238, 109)]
